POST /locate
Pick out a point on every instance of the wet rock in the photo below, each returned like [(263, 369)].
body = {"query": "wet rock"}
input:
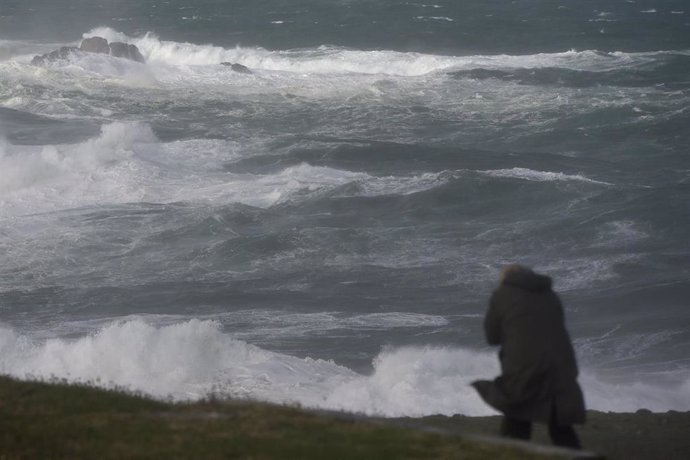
[(98, 45), (95, 45), (239, 68), (62, 53), (127, 51)]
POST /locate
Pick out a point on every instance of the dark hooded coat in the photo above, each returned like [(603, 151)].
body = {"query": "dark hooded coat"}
[(538, 366)]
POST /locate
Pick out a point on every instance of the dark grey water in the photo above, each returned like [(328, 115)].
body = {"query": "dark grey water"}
[(438, 27), (327, 229)]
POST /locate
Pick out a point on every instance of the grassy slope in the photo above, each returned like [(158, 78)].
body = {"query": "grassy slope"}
[(39, 420)]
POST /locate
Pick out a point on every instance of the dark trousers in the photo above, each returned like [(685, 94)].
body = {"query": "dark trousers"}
[(561, 435)]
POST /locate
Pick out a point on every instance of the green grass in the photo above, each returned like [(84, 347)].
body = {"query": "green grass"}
[(56, 420)]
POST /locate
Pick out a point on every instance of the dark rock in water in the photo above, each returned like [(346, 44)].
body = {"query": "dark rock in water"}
[(95, 45), (239, 68), (127, 51), (62, 53)]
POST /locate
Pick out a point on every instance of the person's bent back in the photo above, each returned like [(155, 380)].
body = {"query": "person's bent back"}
[(538, 381)]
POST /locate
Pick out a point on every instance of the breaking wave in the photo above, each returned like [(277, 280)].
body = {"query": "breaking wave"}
[(193, 359), (540, 176), (127, 163), (331, 59)]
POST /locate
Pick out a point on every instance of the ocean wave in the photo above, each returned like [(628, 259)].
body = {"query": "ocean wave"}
[(540, 176), (337, 60), (127, 163), (193, 359), (660, 71), (319, 60), (101, 169), (194, 71)]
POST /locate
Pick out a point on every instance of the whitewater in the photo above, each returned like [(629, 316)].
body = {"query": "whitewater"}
[(326, 230)]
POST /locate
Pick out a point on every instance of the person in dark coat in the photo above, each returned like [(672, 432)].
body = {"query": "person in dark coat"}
[(538, 381)]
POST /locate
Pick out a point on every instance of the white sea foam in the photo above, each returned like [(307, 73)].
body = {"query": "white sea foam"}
[(192, 72), (192, 359), (127, 163), (323, 59), (539, 176), (102, 169), (336, 60), (581, 273), (613, 347), (435, 18), (619, 233), (109, 70), (293, 182)]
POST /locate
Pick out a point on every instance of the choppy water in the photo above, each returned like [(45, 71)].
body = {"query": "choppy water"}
[(327, 230)]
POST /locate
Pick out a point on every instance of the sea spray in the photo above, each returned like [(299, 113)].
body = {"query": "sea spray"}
[(328, 59), (52, 177), (194, 359)]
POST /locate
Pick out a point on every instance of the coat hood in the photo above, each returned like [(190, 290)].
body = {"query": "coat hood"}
[(528, 280)]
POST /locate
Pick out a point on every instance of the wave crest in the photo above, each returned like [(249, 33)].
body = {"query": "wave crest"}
[(44, 178), (540, 176), (337, 60), (192, 359)]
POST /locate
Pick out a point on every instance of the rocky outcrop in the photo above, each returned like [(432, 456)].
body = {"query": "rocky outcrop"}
[(239, 68), (127, 51), (95, 45), (98, 45), (62, 53)]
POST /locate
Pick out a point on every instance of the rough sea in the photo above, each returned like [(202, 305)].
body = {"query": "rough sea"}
[(326, 231)]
